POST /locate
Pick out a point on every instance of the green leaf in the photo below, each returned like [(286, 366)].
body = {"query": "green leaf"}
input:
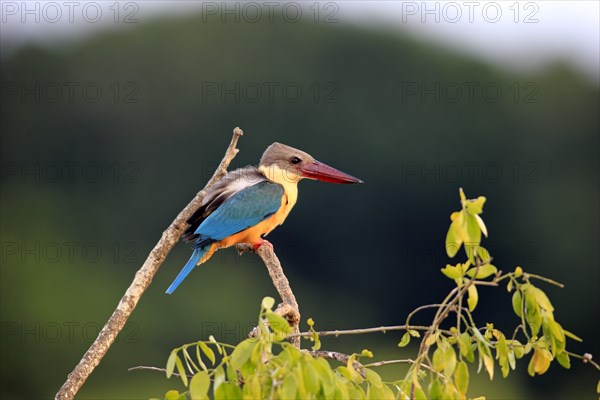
[(212, 339), (532, 315), (345, 372), (356, 392), (289, 388), (199, 385), (219, 378), (405, 340), (435, 390), (518, 349), (452, 272), (450, 391), (381, 392), (542, 299), (293, 352), (463, 198), (326, 376), (172, 395), (449, 361), (557, 330), (199, 358), (473, 232), (517, 303), (181, 371), (317, 340), (572, 336), (208, 351), (479, 337), (373, 377), (171, 363), (242, 353), (488, 362), (461, 377), (341, 389), (439, 360), (502, 355), (414, 333), (420, 394), (512, 361), (564, 360), (278, 325), (485, 356), (484, 271), (466, 349), (228, 390), (254, 386), (453, 240), (311, 378), (231, 372), (481, 224), (354, 375), (268, 303), (473, 297), (483, 253), (475, 206)]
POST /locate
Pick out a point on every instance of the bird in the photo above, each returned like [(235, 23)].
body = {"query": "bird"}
[(248, 203)]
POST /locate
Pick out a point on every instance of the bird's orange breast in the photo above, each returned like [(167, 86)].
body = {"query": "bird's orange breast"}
[(254, 233)]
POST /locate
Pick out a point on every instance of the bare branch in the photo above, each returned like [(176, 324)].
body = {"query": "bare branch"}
[(586, 358), (143, 367), (140, 283), (289, 310), (382, 329), (542, 278)]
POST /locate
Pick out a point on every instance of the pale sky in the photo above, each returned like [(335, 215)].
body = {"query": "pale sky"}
[(516, 34)]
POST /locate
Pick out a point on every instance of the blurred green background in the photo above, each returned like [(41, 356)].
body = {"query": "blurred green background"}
[(105, 140)]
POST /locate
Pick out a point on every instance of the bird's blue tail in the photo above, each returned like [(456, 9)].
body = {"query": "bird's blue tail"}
[(196, 256)]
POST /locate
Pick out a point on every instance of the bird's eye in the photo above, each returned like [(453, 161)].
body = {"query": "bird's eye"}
[(295, 160)]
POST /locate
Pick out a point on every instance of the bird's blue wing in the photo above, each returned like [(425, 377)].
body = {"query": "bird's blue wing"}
[(243, 210)]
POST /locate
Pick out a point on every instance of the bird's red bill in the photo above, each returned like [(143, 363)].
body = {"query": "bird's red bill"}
[(323, 172)]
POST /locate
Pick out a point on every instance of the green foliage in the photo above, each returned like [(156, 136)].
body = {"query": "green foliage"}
[(266, 366), (543, 337)]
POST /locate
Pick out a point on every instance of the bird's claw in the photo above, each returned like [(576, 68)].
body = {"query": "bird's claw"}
[(257, 245)]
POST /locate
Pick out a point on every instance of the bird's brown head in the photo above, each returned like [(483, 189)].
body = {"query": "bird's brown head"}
[(295, 164)]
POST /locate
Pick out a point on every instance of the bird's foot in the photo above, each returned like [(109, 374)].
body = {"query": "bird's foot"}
[(257, 245)]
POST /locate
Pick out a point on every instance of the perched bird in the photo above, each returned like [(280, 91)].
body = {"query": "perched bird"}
[(250, 202)]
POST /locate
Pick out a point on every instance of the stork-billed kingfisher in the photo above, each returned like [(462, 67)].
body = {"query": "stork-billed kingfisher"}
[(250, 202)]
